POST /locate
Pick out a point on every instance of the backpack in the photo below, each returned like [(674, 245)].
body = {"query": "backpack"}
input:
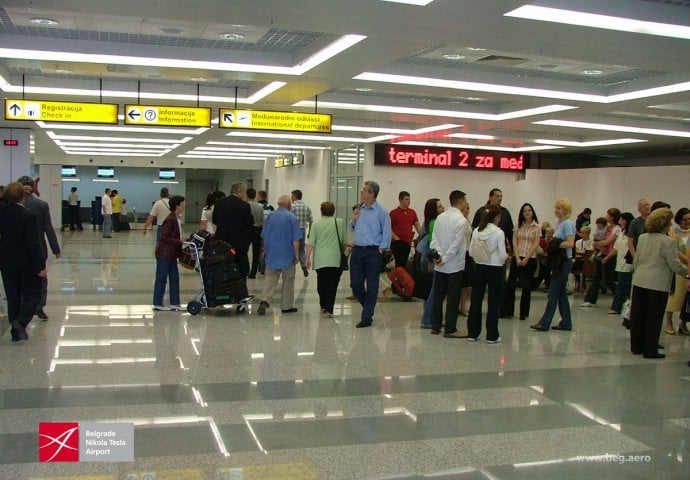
[(479, 251)]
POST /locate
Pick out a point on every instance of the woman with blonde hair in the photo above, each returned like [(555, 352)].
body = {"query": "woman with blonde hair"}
[(558, 295), (655, 259)]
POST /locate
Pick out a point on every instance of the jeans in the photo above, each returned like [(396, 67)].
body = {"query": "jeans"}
[(447, 285), (605, 271), (302, 248), (558, 297), (365, 267), (166, 270), (429, 305), (107, 225), (491, 276), (622, 291)]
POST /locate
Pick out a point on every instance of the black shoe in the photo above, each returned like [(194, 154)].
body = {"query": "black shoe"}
[(305, 271), (660, 347), (289, 310), (252, 277), (655, 355), (435, 332), (262, 308), (626, 323), (523, 317), (455, 334), (636, 353), (41, 314), (538, 327), (426, 327), (363, 324), (559, 327)]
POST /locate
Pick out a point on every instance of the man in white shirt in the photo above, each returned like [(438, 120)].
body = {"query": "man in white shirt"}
[(449, 244), (159, 212), (107, 212)]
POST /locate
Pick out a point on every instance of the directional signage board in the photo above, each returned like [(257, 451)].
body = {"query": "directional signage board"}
[(268, 120), (70, 112), (161, 115)]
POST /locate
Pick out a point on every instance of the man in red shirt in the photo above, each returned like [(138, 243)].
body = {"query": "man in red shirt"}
[(403, 219)]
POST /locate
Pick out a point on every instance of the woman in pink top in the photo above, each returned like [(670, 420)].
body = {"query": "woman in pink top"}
[(524, 264)]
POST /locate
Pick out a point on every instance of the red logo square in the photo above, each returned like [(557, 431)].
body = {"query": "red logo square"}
[(58, 442)]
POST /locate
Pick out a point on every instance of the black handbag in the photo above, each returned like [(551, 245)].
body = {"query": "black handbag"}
[(344, 262)]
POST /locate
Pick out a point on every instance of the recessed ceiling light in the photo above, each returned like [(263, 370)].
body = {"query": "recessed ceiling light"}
[(199, 79), (44, 21), (363, 89), (171, 31), (453, 56), (591, 72), (476, 49), (231, 36)]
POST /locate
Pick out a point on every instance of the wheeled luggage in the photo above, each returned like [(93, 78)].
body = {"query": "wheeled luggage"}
[(402, 282)]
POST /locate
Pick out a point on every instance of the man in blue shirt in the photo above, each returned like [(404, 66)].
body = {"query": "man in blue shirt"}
[(281, 234), (372, 236)]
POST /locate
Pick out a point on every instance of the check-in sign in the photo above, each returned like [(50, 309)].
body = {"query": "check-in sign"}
[(160, 115), (69, 112), (269, 120)]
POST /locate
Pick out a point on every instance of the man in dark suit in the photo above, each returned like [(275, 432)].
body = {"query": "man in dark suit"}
[(234, 221), (21, 260), (41, 210)]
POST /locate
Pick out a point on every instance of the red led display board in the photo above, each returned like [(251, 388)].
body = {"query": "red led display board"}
[(447, 158), (11, 143)]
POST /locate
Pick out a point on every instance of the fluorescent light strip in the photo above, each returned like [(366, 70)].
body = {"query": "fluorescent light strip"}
[(119, 139), (614, 128), (483, 147), (120, 154), (114, 145), (437, 113), (221, 157), (595, 143), (115, 151), (322, 138), (421, 3), (271, 145), (399, 131), (340, 45), (203, 151), (530, 92), (475, 136), (241, 150), (594, 20), (118, 128)]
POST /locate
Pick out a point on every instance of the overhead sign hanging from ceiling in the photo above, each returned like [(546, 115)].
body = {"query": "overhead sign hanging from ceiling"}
[(170, 116), (448, 158), (269, 120), (65, 112)]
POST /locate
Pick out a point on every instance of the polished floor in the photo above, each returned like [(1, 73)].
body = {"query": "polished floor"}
[(231, 396)]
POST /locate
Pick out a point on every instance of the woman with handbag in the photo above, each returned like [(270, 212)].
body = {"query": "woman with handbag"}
[(432, 209), (326, 242), (524, 265)]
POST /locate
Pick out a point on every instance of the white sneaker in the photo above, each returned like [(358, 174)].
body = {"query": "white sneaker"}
[(470, 339), (498, 340), (587, 304), (161, 308), (176, 308)]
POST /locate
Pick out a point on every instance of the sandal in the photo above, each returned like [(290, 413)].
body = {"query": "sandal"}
[(670, 331)]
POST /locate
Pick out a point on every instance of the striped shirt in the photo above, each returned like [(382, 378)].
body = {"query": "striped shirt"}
[(527, 237)]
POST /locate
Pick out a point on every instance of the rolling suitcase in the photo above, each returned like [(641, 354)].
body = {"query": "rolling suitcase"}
[(403, 284)]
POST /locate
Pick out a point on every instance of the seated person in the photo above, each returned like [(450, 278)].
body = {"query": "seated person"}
[(584, 244)]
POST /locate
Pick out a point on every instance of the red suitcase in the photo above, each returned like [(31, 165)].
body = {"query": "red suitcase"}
[(403, 284)]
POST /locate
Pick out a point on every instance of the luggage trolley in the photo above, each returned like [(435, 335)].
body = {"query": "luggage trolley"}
[(221, 281)]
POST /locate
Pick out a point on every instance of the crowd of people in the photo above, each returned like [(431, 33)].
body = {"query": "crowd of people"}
[(642, 261)]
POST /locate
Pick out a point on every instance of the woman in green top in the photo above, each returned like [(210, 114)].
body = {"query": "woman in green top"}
[(327, 238)]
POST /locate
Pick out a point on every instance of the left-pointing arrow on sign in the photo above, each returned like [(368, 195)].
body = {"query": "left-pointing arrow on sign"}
[(133, 114), (15, 109)]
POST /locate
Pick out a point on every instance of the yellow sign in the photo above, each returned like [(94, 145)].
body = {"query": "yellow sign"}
[(69, 112), (160, 115), (268, 120)]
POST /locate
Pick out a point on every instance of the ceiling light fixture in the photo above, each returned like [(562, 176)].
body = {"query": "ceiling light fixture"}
[(171, 31), (420, 3), (476, 49), (44, 21), (199, 79), (594, 143), (591, 71), (614, 128), (338, 46), (593, 20), (363, 89), (453, 56), (483, 147), (525, 91), (438, 113), (231, 36)]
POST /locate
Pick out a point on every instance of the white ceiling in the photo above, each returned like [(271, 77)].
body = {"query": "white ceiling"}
[(394, 83)]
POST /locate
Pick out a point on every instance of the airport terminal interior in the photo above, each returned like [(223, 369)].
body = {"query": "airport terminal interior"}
[(540, 98)]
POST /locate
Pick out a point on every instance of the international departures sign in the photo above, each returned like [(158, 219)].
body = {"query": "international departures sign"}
[(271, 120), (66, 112)]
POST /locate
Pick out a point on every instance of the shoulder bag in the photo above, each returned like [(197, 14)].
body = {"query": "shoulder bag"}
[(344, 264)]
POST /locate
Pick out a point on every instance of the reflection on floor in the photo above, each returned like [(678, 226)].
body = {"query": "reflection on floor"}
[(223, 395)]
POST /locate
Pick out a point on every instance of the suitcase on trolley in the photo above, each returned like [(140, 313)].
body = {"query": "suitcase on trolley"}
[(402, 282)]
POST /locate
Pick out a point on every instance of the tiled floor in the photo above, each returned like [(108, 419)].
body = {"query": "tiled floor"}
[(237, 396)]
